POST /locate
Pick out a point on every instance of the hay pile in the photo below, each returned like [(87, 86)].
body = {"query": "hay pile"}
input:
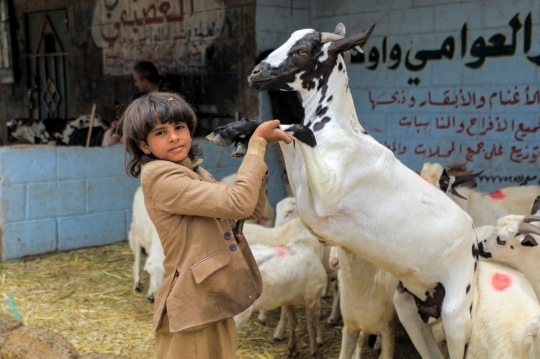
[(86, 296)]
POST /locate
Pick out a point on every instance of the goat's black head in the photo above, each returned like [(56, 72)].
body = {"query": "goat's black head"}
[(305, 60)]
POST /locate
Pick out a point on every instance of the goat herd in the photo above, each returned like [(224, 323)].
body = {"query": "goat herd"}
[(402, 244)]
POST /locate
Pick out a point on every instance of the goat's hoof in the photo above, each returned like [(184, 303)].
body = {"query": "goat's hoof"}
[(320, 345), (136, 290), (277, 340), (150, 299), (262, 322)]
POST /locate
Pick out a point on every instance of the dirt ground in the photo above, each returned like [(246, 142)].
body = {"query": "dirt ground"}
[(85, 295)]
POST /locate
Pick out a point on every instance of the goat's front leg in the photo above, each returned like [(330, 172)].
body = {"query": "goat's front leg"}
[(288, 156), (321, 177)]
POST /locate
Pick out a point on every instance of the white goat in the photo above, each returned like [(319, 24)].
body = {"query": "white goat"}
[(291, 275), (484, 208), (366, 302), (143, 235), (353, 192)]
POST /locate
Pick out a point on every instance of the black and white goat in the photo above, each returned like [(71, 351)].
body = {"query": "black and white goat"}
[(351, 191)]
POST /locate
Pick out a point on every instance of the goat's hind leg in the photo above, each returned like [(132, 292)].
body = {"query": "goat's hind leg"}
[(419, 332), (456, 316)]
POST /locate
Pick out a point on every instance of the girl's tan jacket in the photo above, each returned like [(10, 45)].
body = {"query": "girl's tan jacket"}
[(209, 275)]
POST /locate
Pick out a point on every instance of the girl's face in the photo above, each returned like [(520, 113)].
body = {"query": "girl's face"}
[(168, 141)]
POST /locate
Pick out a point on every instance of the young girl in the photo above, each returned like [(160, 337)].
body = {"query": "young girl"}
[(211, 276)]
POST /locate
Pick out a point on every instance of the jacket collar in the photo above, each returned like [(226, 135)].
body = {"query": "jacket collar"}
[(191, 164)]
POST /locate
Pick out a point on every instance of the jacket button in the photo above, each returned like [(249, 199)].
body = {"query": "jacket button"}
[(227, 235), (233, 247)]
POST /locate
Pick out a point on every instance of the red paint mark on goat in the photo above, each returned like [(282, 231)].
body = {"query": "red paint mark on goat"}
[(497, 195), (281, 250), (501, 281)]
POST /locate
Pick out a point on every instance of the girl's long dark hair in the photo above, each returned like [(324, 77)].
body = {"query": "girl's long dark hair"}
[(139, 119)]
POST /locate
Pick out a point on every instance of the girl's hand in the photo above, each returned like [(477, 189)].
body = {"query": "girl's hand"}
[(270, 131)]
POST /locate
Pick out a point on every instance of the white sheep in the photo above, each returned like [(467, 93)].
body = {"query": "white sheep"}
[(291, 275), (143, 235), (366, 302), (484, 208)]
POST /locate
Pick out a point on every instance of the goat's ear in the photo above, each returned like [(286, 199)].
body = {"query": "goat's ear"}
[(529, 241), (349, 42)]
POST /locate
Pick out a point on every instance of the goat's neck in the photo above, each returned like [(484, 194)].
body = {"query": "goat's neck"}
[(336, 97), (341, 132)]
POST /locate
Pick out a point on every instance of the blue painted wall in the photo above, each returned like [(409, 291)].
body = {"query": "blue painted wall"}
[(62, 198), (475, 102)]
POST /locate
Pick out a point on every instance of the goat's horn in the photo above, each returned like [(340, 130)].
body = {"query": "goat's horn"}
[(529, 219), (329, 36), (347, 55), (528, 228), (359, 49)]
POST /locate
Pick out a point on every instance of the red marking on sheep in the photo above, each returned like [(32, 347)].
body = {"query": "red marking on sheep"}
[(497, 195), (281, 250), (501, 281)]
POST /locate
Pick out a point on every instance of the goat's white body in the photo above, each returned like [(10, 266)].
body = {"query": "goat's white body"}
[(351, 191), (366, 302)]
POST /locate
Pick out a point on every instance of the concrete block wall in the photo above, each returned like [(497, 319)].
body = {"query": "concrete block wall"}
[(448, 112), (62, 198)]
